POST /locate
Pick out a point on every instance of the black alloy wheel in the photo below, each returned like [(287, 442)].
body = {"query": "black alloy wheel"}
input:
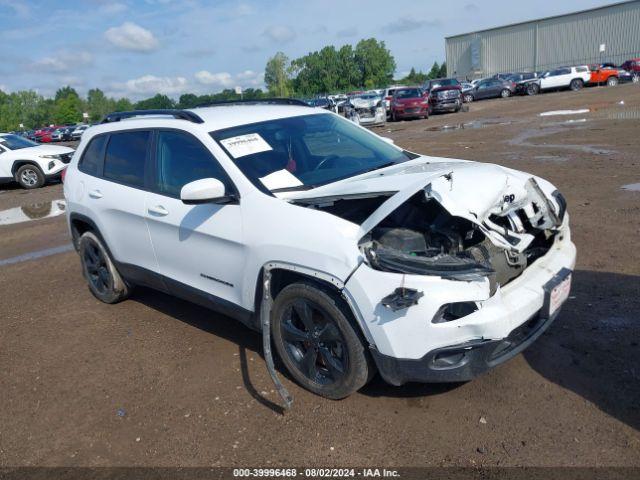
[(314, 343)]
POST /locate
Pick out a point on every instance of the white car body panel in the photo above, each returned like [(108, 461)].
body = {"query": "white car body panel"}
[(562, 81)]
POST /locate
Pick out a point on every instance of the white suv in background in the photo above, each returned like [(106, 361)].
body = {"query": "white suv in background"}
[(566, 77), (28, 163), (353, 254)]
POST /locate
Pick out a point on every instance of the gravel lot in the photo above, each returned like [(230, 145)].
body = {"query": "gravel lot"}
[(159, 382)]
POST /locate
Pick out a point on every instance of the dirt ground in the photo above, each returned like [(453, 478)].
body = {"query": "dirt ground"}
[(155, 381)]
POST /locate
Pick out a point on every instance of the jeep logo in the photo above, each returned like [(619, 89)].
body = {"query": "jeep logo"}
[(509, 198)]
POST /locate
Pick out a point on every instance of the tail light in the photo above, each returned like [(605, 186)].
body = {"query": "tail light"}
[(63, 174)]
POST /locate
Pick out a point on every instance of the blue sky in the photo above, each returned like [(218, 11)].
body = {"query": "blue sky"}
[(137, 48)]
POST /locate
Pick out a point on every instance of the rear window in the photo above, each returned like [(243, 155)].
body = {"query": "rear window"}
[(92, 157), (582, 69), (125, 157)]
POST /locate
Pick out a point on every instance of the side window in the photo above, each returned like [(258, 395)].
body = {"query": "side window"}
[(92, 156), (181, 159), (125, 157), (581, 69)]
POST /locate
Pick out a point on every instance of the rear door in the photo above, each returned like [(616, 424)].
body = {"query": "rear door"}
[(114, 183), (199, 247)]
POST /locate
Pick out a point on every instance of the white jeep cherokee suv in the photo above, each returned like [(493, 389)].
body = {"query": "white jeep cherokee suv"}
[(355, 255), (29, 163)]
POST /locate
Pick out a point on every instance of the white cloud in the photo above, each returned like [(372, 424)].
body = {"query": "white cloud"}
[(150, 85), (407, 24), (62, 62), (130, 36), (279, 33), (112, 8), (222, 79), (247, 78), (244, 9), (4, 88), (20, 8)]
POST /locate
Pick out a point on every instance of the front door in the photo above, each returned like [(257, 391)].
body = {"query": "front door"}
[(199, 247)]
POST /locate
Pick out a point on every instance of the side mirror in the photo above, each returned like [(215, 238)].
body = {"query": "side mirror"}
[(388, 140), (206, 190)]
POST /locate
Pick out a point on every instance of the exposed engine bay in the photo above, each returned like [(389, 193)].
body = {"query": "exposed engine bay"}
[(421, 237)]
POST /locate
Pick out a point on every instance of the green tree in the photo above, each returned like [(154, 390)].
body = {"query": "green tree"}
[(67, 110), (98, 105), (276, 75), (435, 71), (375, 63), (158, 101), (443, 70), (122, 105), (65, 92), (188, 100)]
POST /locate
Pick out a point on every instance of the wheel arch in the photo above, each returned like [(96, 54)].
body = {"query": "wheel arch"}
[(283, 274), (19, 163)]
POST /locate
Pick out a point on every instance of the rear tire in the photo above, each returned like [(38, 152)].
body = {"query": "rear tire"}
[(576, 84), (612, 81), (105, 282), (30, 176), (317, 343), (636, 78)]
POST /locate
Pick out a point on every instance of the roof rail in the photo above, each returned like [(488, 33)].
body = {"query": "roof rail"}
[(257, 101), (179, 114)]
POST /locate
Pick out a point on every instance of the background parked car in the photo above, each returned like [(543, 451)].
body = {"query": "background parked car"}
[(387, 95), (492, 88), (78, 131), (445, 95), (44, 134), (573, 78), (322, 102), (366, 109), (523, 82), (632, 66), (62, 134), (409, 103), (609, 75)]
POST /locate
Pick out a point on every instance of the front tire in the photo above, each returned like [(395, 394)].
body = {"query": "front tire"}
[(533, 89), (612, 81), (30, 176), (317, 343), (468, 98), (505, 93), (104, 280), (636, 78), (576, 84)]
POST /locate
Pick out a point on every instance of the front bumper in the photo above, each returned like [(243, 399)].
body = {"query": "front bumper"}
[(411, 112), (446, 104), (406, 343)]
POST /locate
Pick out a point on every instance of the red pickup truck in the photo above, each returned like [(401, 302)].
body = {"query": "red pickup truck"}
[(633, 66)]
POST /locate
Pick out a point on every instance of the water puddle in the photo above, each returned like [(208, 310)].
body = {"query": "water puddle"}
[(632, 187), (468, 125), (47, 252), (33, 211), (564, 112), (524, 139)]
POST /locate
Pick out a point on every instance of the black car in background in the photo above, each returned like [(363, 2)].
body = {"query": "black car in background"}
[(490, 88), (445, 94), (322, 102)]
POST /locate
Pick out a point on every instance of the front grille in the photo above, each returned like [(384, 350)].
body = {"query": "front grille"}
[(366, 112)]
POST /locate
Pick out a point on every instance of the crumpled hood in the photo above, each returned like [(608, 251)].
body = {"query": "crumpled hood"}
[(471, 190), (364, 102)]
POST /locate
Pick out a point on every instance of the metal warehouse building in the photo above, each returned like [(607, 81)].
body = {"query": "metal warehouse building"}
[(605, 34)]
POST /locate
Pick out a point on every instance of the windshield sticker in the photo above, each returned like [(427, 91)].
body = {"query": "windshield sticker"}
[(280, 179), (243, 145)]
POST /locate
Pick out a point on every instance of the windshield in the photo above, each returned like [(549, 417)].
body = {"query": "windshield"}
[(16, 142), (408, 93), (367, 96), (305, 152), (443, 82)]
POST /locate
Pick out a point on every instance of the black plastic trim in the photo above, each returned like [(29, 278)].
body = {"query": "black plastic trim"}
[(476, 357), (178, 114)]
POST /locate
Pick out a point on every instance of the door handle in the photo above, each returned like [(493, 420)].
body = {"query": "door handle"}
[(158, 211), (95, 194)]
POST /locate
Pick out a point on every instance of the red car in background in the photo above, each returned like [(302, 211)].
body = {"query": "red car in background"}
[(43, 135), (411, 102), (633, 66)]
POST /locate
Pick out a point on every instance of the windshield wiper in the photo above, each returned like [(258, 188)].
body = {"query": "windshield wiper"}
[(293, 189)]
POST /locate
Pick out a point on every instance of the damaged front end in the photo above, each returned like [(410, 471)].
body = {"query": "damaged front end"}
[(420, 237)]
